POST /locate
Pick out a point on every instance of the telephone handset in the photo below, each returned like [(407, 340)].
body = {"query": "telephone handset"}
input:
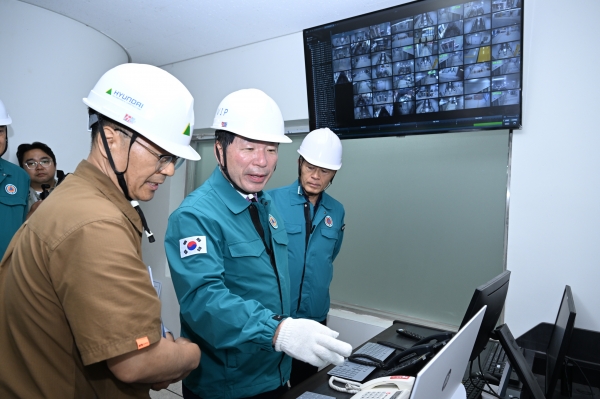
[(410, 353), (411, 361), (425, 348), (401, 356), (445, 336), (396, 387)]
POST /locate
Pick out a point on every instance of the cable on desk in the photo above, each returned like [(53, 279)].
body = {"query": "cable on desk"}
[(349, 387), (582, 373), (491, 391)]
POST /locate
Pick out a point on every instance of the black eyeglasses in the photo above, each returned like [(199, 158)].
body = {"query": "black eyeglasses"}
[(43, 162), (163, 160)]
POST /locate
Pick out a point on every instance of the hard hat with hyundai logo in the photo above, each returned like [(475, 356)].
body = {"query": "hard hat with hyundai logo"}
[(149, 101), (252, 114), (5, 119), (322, 148)]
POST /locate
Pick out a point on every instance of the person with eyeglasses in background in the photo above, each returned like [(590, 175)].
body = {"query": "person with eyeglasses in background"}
[(314, 222), (79, 316), (39, 161), (13, 188)]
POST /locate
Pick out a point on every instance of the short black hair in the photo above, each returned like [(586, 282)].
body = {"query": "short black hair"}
[(36, 145), (106, 122), (224, 138)]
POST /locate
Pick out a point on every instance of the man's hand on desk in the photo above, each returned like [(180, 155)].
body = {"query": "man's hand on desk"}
[(310, 342)]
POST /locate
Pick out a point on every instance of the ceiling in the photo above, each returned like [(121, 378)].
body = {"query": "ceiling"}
[(160, 32)]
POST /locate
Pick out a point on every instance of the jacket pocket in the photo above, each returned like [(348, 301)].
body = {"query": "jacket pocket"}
[(293, 228), (330, 233), (249, 248), (12, 200), (280, 237)]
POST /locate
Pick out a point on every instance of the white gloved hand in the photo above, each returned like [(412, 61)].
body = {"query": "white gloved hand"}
[(311, 342)]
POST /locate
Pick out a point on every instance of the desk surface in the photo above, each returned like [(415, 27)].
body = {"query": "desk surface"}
[(319, 383)]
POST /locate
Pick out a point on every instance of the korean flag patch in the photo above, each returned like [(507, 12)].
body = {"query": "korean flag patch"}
[(192, 246)]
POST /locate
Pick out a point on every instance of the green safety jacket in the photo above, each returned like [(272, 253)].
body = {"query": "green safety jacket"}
[(310, 265), (231, 297), (14, 190)]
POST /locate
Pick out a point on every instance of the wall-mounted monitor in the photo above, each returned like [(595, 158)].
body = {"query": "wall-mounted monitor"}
[(428, 66)]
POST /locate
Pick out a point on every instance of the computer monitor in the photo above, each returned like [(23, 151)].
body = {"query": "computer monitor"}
[(531, 388), (559, 341), (422, 67), (491, 294)]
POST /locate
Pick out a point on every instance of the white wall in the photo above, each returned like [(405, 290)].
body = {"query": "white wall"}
[(48, 64), (554, 230), (554, 213), (275, 66)]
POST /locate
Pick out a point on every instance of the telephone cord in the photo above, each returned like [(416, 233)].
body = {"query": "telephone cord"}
[(349, 386)]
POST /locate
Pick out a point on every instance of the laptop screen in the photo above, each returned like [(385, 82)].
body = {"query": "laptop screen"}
[(441, 377)]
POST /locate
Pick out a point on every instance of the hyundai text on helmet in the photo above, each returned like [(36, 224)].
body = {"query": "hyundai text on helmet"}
[(252, 114), (162, 112)]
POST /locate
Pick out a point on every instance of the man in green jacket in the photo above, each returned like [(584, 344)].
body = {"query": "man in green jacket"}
[(227, 250), (14, 188), (314, 221)]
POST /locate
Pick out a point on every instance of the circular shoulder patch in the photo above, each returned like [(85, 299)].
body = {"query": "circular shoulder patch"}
[(273, 221), (328, 221), (10, 189)]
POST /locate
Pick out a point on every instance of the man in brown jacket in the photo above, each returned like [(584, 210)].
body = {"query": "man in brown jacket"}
[(79, 317)]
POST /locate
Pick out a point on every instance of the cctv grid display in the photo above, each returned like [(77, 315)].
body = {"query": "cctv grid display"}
[(421, 66)]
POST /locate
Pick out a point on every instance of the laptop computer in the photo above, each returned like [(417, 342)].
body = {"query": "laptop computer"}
[(441, 378)]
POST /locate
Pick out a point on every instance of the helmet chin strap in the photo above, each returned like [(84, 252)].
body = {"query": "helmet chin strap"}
[(5, 143), (149, 234), (121, 175), (225, 172)]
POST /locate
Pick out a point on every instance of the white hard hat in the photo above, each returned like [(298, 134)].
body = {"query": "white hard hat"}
[(149, 101), (4, 116), (252, 114), (322, 148)]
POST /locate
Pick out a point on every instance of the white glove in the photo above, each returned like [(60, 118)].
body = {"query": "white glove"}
[(311, 342)]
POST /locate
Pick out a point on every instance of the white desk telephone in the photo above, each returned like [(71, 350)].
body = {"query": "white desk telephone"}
[(393, 387)]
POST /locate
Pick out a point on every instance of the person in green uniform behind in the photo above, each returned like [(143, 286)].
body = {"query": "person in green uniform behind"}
[(14, 188), (314, 221)]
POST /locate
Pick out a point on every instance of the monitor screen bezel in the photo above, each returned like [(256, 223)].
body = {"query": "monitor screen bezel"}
[(493, 295), (559, 343), (462, 118), (518, 362)]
